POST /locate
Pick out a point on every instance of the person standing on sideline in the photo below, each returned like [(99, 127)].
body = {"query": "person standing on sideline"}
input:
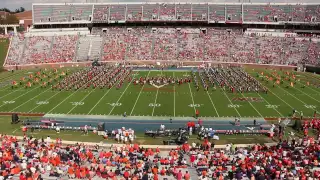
[(197, 113)]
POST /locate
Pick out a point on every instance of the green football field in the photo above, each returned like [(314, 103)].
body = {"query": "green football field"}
[(170, 100)]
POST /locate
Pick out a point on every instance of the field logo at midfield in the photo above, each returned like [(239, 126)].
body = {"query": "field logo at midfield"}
[(158, 86), (194, 105), (42, 102), (310, 106), (154, 105), (8, 102), (114, 104), (272, 106), (77, 103), (248, 99), (234, 105)]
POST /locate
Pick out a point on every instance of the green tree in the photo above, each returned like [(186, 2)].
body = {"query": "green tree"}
[(11, 19)]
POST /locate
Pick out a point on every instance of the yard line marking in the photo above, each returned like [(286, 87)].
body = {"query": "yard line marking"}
[(270, 104), (155, 101), (64, 100), (253, 106), (21, 95), (231, 103), (277, 96), (138, 96), (192, 98), (100, 99), (174, 97), (46, 100), (30, 99), (120, 96), (19, 89), (213, 104), (307, 94), (290, 93), (69, 96), (81, 101)]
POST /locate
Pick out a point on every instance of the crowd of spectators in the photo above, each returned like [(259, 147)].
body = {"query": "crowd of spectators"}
[(182, 44), (195, 12), (33, 158)]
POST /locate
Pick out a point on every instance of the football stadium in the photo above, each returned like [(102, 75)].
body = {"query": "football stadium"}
[(160, 90)]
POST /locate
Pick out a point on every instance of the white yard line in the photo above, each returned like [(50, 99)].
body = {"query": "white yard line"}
[(155, 101), (19, 89), (277, 96), (30, 100), (270, 104), (80, 101), (138, 97), (291, 94), (45, 100), (231, 103), (192, 98), (253, 106), (174, 97), (21, 95), (306, 94), (63, 101), (15, 130), (100, 99), (120, 97), (213, 104)]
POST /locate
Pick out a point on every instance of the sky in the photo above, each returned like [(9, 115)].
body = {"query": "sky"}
[(14, 4)]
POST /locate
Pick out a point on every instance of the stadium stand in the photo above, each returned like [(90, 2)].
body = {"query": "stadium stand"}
[(182, 44), (228, 12), (31, 158)]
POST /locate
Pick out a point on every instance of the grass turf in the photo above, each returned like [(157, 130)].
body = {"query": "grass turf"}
[(171, 100)]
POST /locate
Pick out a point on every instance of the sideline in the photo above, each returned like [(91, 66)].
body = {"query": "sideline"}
[(161, 147)]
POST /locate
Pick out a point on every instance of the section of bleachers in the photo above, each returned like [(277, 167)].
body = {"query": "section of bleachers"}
[(83, 48), (81, 12), (151, 12), (167, 12), (199, 12), (252, 13), (37, 50), (183, 12), (313, 13), (234, 13), (101, 13), (299, 13), (15, 51), (63, 49), (217, 13), (231, 12), (118, 12), (95, 47), (134, 12), (164, 43)]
